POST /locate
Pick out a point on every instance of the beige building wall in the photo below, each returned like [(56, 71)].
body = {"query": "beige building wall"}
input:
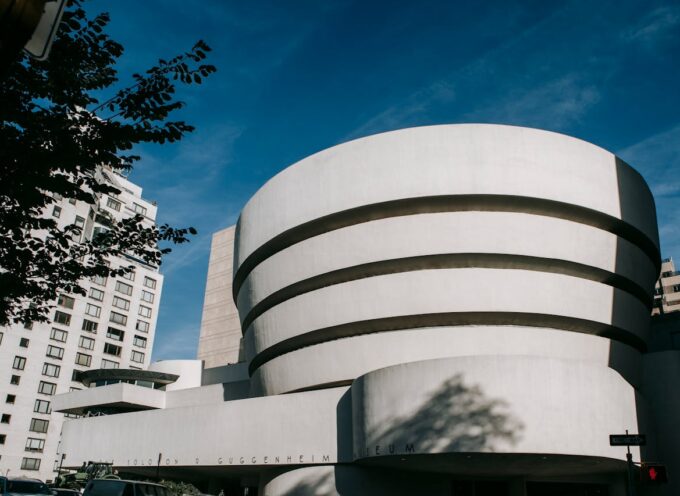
[(667, 289), (220, 326)]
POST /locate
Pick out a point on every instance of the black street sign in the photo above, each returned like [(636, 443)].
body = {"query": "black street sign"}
[(627, 440)]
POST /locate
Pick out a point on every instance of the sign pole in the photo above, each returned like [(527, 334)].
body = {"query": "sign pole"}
[(631, 478)]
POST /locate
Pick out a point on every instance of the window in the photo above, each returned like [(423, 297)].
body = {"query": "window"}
[(48, 388), (3, 437), (113, 204), (58, 335), (51, 370), (96, 294), (65, 301), (62, 318), (28, 325), (56, 211), (137, 356), (93, 310), (121, 287), (15, 380), (144, 311), (149, 282), (118, 318), (139, 341), (19, 363), (23, 342), (1, 336), (147, 296), (55, 352), (114, 333), (121, 303), (72, 201), (42, 406), (108, 364), (139, 209), (130, 276), (142, 326), (79, 222), (11, 398), (39, 425), (83, 359), (112, 349), (35, 444), (86, 343), (101, 280), (6, 417), (75, 375), (90, 326), (30, 463)]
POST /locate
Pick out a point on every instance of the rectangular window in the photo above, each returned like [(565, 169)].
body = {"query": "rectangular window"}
[(11, 398), (19, 363), (144, 311), (30, 463), (113, 204), (90, 326), (118, 318), (79, 222), (149, 282), (114, 333), (47, 388), (142, 326), (3, 438), (86, 343), (65, 301), (92, 310), (72, 201), (62, 318), (58, 335), (56, 211), (112, 349), (121, 303), (139, 209), (1, 336), (147, 296), (42, 406), (75, 375), (5, 418), (23, 342), (137, 356), (35, 444), (101, 280), (51, 370), (139, 341), (55, 352), (121, 287), (108, 364), (130, 276), (96, 294), (15, 380), (39, 425), (83, 359)]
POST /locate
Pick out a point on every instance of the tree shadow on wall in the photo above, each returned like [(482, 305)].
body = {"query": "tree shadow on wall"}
[(455, 418)]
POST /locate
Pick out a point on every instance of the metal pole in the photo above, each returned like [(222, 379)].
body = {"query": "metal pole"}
[(158, 467), (61, 462), (631, 477)]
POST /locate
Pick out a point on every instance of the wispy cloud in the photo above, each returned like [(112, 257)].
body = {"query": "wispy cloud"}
[(656, 26), (179, 343), (553, 104)]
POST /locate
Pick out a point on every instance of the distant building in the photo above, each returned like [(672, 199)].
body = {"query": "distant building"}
[(667, 289), (220, 338), (447, 310), (112, 327)]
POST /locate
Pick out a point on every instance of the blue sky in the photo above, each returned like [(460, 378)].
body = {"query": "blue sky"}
[(298, 76)]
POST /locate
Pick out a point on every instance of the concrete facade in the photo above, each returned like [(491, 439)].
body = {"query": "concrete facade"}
[(443, 310), (667, 289), (220, 337), (82, 335)]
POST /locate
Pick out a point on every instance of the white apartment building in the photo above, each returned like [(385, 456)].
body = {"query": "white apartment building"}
[(667, 289), (112, 327)]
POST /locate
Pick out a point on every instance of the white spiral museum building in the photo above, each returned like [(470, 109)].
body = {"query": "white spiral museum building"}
[(459, 309)]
